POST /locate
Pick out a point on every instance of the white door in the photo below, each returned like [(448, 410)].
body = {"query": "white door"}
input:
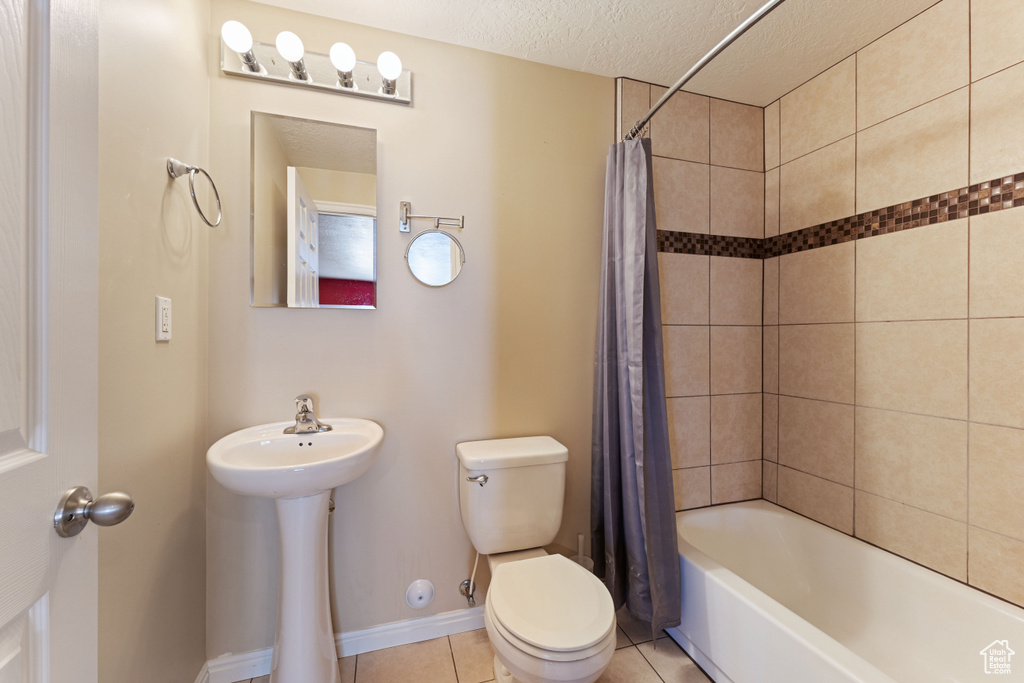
[(48, 336), (303, 245)]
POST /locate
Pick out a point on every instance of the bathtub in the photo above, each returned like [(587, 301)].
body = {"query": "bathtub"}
[(770, 596)]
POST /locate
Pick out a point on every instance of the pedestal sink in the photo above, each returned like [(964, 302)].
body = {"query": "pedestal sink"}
[(298, 471)]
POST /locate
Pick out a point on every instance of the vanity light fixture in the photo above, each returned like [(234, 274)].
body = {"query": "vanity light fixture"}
[(343, 58), (390, 68), (238, 39), (290, 47), (286, 62)]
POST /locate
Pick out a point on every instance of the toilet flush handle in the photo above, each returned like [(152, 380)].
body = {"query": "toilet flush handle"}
[(482, 479)]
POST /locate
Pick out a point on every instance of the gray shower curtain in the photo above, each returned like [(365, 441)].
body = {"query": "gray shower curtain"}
[(632, 503)]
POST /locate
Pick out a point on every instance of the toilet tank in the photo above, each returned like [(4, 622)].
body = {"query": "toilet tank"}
[(520, 505)]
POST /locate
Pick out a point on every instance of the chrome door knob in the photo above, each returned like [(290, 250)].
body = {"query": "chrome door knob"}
[(77, 508)]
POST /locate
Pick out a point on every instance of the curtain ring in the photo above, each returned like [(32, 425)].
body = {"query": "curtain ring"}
[(176, 168)]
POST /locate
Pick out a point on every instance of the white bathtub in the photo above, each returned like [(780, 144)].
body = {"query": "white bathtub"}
[(769, 596)]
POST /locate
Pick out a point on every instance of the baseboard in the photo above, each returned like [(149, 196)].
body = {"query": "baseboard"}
[(231, 667), (204, 675)]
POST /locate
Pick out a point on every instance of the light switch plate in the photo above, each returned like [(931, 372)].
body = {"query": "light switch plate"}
[(163, 319)]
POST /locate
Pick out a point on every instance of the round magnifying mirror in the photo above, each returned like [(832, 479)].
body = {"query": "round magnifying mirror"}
[(435, 257)]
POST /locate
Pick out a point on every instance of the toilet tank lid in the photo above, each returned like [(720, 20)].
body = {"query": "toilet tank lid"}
[(494, 454)]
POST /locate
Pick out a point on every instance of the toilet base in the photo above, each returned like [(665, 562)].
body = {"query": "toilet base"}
[(501, 674)]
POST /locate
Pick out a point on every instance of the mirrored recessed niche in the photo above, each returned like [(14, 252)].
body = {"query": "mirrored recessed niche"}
[(314, 213)]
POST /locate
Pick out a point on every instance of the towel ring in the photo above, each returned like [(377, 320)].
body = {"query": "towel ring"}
[(176, 169)]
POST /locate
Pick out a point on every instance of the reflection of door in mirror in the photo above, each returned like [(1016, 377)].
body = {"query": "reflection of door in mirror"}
[(313, 248), (303, 235)]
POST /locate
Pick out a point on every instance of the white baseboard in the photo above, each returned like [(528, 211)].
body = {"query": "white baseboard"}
[(230, 668), (204, 675)]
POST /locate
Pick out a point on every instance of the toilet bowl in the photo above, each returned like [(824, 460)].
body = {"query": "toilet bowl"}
[(548, 619)]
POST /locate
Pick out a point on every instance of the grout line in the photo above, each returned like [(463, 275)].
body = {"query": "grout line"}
[(451, 651), (967, 466)]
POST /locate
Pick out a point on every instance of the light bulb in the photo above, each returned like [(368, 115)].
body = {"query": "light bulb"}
[(343, 57), (389, 66), (290, 46), (236, 36)]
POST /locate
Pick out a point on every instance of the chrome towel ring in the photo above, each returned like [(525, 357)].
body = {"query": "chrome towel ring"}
[(176, 169)]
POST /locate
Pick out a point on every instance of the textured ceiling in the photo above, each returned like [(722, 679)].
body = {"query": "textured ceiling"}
[(649, 40), (330, 146)]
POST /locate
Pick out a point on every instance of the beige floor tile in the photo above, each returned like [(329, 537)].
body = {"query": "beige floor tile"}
[(918, 460), (629, 666), (636, 630), (926, 538), (819, 112), (261, 679), (687, 360), (993, 564), (771, 136), (692, 487), (817, 437), (917, 367), (770, 427), (636, 101), (671, 662), (997, 125), (348, 669), (682, 195), (996, 39), (681, 129), (770, 359), (997, 261), (770, 316), (918, 153), (689, 431), (736, 285), (621, 639), (916, 274), (735, 481), (735, 360), (474, 658), (685, 282), (817, 286), (737, 135), (821, 500), (426, 662), (818, 187), (817, 361), (735, 428), (737, 202), (771, 202), (769, 481), (997, 371), (925, 58), (997, 479)]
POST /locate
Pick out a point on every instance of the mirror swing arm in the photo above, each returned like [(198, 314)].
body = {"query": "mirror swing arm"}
[(405, 216)]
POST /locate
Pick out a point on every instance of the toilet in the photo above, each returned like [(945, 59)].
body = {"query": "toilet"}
[(548, 618)]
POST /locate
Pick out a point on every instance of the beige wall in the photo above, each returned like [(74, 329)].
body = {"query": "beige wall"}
[(154, 103), (506, 350), (340, 186), (708, 179), (899, 356), (269, 214)]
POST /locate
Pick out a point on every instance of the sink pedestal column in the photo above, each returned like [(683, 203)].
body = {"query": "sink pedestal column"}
[(304, 650)]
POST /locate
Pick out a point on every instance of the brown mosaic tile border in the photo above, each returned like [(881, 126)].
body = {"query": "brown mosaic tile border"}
[(710, 245), (973, 200)]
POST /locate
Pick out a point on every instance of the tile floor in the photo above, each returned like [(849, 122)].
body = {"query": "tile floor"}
[(466, 658)]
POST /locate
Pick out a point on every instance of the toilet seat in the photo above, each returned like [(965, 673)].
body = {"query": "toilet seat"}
[(551, 608)]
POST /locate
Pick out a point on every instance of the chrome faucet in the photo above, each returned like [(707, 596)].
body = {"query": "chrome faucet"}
[(305, 417)]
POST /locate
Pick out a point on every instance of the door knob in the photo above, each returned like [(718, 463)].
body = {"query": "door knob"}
[(77, 508)]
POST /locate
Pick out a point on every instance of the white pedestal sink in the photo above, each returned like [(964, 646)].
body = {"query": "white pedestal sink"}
[(299, 471)]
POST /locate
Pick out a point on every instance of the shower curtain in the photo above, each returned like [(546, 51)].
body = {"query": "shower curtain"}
[(632, 503)]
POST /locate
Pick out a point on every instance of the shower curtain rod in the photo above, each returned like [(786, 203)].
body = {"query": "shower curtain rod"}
[(726, 42)]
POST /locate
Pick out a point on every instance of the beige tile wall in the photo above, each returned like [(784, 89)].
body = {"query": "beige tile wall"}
[(900, 418), (709, 178)]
